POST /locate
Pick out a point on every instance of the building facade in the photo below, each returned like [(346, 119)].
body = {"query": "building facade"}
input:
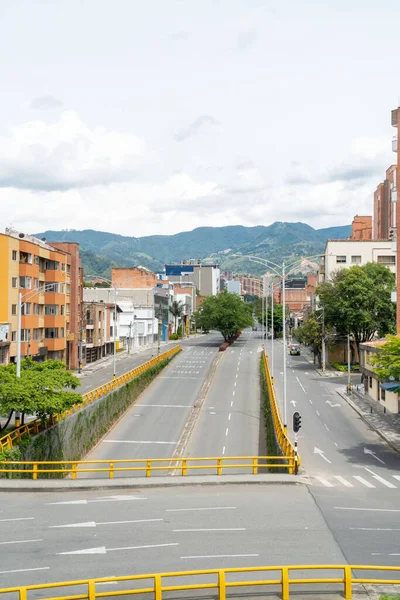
[(361, 228), (40, 272), (342, 254), (396, 148), (205, 277), (251, 286), (382, 392)]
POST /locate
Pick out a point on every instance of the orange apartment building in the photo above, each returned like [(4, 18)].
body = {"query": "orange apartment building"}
[(250, 286), (133, 278), (42, 274), (361, 228), (385, 197)]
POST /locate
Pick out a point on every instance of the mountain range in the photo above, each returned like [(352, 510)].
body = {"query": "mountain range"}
[(100, 251)]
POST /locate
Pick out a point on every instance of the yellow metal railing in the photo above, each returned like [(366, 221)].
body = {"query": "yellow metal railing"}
[(281, 435), (38, 425), (214, 579), (148, 467)]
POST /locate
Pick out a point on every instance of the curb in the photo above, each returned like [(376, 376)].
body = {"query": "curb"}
[(364, 418), (136, 483)]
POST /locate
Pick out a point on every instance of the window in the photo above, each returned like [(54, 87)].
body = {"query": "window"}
[(62, 332), (341, 259), (386, 260), (52, 265), (51, 332), (356, 260), (111, 331), (52, 287), (36, 309), (13, 336), (51, 309), (14, 255), (14, 282), (13, 309), (25, 258), (26, 308), (383, 394), (25, 335), (25, 283), (68, 289), (62, 266), (36, 284), (370, 382), (62, 309), (63, 288), (37, 334), (36, 260), (67, 309)]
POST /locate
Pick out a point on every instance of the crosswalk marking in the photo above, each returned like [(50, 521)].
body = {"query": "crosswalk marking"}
[(363, 481), (325, 482), (343, 481), (396, 477), (382, 480)]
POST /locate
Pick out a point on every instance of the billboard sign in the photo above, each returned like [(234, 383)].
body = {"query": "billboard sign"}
[(5, 332)]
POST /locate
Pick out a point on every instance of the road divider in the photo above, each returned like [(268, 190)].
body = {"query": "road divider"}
[(272, 410), (148, 467), (34, 427), (338, 578)]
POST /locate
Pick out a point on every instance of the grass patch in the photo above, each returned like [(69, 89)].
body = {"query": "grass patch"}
[(343, 367), (273, 448), (389, 597)]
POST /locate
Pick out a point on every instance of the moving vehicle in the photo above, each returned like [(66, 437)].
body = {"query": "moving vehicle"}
[(294, 350)]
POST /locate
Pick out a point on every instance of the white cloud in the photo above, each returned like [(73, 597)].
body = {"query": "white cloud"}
[(66, 154)]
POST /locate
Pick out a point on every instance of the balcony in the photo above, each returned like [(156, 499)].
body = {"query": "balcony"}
[(394, 144), (394, 117), (89, 323)]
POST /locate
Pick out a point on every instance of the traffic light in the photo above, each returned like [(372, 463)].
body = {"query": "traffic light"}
[(392, 233), (296, 421)]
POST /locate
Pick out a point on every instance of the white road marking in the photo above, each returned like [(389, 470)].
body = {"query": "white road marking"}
[(166, 405), (326, 427), (94, 524), (229, 416), (235, 383), (310, 401), (231, 402), (222, 529), (336, 445), (317, 413), (343, 481), (373, 529), (109, 499), (364, 481), (366, 451), (325, 482), (104, 550), (18, 519), (19, 542), (368, 509), (233, 393), (223, 450), (219, 556), (135, 442), (381, 479), (201, 508), (227, 430), (24, 570), (321, 453), (396, 477)]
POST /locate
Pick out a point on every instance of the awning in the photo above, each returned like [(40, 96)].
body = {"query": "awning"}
[(390, 386)]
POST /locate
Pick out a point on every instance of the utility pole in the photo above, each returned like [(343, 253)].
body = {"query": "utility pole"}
[(153, 317), (323, 342), (262, 317), (115, 332), (80, 346), (348, 365), (159, 328), (272, 330), (284, 346)]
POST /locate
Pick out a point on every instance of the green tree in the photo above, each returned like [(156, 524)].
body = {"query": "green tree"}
[(225, 313), (176, 310), (358, 301), (278, 310), (43, 389), (386, 361), (310, 334)]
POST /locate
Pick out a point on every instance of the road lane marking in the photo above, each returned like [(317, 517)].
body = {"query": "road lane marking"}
[(373, 529), (135, 442), (220, 556), (317, 413), (104, 550), (19, 542), (24, 570), (201, 508), (229, 416), (336, 445), (310, 401), (396, 477), (325, 482), (381, 479), (326, 427), (166, 405), (17, 519), (223, 450), (343, 481), (227, 430), (367, 509), (205, 529), (235, 383), (233, 393), (231, 402), (363, 481), (94, 524)]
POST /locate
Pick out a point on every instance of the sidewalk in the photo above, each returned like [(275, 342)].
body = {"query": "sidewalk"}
[(387, 425)]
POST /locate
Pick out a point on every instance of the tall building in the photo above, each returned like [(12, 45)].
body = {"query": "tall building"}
[(384, 206), (250, 285), (204, 276), (396, 219), (42, 274), (361, 228)]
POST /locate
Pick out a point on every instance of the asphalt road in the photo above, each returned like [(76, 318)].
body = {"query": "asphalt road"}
[(153, 426), (354, 475), (229, 423), (59, 537)]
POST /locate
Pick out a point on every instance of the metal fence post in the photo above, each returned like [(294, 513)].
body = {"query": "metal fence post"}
[(111, 470), (157, 587), (148, 468), (183, 466), (348, 592), (221, 585), (255, 466), (219, 467), (91, 590), (73, 470), (285, 583), (35, 471)]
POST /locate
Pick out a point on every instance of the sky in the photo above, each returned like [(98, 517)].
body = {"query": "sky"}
[(156, 117)]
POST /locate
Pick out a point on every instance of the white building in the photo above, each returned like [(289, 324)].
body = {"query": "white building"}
[(205, 277), (342, 254), (138, 325), (233, 286)]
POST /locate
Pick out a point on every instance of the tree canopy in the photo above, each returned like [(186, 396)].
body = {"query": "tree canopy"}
[(278, 310), (358, 301), (226, 313), (43, 389), (386, 362), (310, 333)]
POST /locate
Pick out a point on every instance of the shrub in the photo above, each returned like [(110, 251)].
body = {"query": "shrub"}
[(174, 336)]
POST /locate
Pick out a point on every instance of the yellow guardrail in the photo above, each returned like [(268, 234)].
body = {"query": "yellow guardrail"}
[(34, 427), (147, 466), (214, 579), (283, 440)]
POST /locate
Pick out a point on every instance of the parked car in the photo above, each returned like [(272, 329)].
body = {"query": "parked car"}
[(294, 350)]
